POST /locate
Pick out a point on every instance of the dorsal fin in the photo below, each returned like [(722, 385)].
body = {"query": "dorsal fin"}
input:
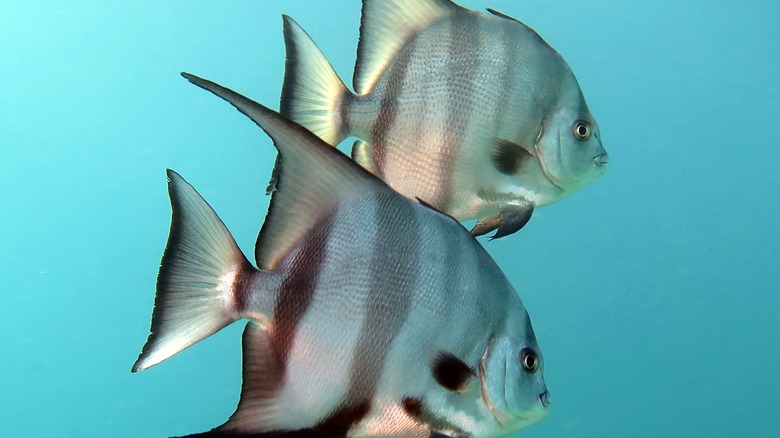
[(384, 27), (312, 178), (502, 15)]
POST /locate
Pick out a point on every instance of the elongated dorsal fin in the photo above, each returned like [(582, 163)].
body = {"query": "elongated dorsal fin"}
[(384, 27), (312, 178), (502, 15)]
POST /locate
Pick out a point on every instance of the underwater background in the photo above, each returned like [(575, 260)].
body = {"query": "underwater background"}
[(654, 292)]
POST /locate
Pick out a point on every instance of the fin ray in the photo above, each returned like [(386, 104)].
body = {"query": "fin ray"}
[(312, 92), (509, 157), (194, 286)]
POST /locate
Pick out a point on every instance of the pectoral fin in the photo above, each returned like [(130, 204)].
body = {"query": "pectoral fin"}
[(509, 157), (511, 218), (451, 372)]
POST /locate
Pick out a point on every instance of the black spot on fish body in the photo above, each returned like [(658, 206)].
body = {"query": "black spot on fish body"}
[(451, 372), (338, 423), (412, 406), (509, 157)]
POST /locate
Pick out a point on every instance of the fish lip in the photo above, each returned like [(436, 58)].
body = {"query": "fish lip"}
[(601, 160)]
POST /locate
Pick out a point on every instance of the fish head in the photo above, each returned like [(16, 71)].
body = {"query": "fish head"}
[(513, 386), (568, 144)]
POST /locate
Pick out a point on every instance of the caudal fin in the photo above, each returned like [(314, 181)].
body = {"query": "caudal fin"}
[(313, 95), (195, 284)]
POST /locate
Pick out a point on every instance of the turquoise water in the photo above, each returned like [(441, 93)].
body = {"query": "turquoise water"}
[(654, 292)]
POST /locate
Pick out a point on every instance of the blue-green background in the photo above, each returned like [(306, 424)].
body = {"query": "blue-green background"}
[(654, 291)]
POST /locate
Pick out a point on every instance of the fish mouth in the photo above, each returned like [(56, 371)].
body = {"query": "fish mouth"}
[(601, 160)]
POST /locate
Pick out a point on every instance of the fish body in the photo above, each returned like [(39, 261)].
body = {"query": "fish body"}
[(371, 314), (474, 113)]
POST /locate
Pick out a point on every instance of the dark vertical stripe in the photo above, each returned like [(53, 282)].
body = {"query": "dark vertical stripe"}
[(339, 423), (388, 106), (344, 105), (242, 286), (298, 287), (395, 272), (464, 45)]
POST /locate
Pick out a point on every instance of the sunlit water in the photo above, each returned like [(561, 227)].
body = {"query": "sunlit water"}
[(654, 292)]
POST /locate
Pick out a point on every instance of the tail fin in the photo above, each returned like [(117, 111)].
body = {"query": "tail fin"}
[(199, 268), (313, 95)]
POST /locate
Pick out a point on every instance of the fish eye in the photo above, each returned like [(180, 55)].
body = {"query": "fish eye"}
[(581, 130), (529, 360)]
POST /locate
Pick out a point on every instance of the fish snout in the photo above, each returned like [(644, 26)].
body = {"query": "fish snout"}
[(601, 159), (545, 398)]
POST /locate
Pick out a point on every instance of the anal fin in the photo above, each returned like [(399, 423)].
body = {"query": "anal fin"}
[(261, 377), (361, 154)]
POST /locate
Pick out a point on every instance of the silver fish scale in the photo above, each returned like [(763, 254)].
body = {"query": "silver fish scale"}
[(457, 85), (371, 342)]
